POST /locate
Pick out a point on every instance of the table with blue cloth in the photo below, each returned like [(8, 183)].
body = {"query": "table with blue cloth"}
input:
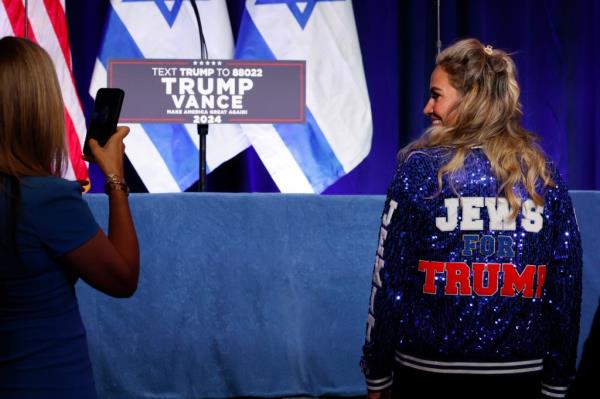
[(254, 295)]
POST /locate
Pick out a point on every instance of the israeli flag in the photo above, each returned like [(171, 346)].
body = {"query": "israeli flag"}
[(309, 157), (166, 156)]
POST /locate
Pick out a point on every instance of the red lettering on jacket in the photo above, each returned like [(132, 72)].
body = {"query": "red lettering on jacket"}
[(458, 279), (483, 279), (480, 270), (430, 269), (541, 279), (515, 282)]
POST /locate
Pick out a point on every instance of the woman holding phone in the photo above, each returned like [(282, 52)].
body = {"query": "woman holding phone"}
[(48, 236)]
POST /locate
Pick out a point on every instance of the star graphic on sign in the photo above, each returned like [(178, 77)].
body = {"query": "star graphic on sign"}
[(301, 9), (168, 8)]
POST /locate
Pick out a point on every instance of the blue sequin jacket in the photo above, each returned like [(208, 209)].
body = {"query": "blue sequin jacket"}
[(460, 287)]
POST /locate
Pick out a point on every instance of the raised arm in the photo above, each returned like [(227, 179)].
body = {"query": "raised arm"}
[(110, 264)]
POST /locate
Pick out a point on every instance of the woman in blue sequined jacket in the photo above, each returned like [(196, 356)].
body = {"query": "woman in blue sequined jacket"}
[(476, 288)]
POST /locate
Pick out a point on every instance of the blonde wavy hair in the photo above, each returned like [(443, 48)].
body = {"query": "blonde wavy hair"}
[(487, 115), (32, 125)]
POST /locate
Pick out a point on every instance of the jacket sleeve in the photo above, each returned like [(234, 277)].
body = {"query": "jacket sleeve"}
[(562, 305), (378, 351)]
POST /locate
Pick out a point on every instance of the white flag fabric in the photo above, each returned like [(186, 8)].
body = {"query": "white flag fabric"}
[(337, 134), (165, 156), (47, 26)]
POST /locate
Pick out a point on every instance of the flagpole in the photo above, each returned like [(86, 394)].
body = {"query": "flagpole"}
[(203, 127), (439, 37), (26, 20)]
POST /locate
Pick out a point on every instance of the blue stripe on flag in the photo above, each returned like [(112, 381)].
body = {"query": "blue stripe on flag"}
[(118, 43), (181, 158), (172, 141), (306, 142), (310, 148)]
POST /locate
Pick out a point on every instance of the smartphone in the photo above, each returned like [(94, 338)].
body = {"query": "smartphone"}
[(105, 116)]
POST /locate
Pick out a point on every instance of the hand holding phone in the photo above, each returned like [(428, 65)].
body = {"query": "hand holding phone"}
[(105, 116), (110, 157)]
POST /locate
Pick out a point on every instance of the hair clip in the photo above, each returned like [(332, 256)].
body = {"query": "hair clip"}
[(489, 50)]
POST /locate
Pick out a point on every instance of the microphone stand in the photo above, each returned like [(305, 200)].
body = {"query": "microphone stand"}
[(202, 133), (203, 127)]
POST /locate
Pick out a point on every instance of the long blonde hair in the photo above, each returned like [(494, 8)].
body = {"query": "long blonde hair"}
[(32, 126), (487, 115)]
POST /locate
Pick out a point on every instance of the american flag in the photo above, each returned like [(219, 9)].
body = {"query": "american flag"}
[(47, 26)]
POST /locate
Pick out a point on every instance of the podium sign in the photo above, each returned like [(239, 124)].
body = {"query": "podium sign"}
[(210, 91)]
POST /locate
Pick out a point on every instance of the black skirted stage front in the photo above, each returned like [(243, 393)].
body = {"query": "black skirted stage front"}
[(253, 295)]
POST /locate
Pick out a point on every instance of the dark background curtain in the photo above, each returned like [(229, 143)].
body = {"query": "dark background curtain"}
[(554, 44)]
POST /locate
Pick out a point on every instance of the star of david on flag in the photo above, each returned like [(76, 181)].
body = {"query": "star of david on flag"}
[(168, 9), (166, 156), (302, 10), (337, 134)]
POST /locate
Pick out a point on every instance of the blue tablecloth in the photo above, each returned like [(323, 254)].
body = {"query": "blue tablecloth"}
[(253, 295)]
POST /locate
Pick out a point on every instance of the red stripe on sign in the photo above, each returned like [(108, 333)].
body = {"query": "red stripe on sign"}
[(59, 24), (74, 147)]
